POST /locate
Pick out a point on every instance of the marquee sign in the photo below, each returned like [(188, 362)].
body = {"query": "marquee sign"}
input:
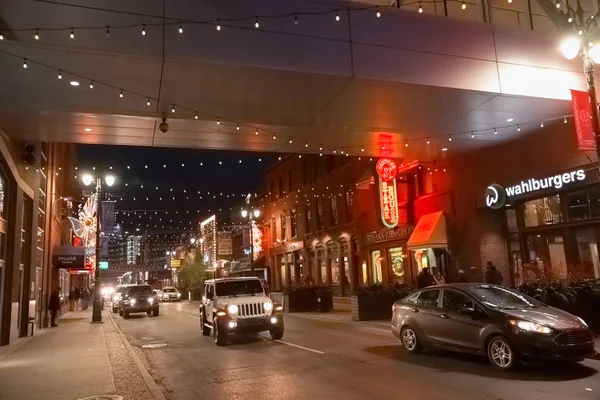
[(387, 170)]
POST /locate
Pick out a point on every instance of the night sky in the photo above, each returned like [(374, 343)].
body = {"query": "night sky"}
[(182, 199)]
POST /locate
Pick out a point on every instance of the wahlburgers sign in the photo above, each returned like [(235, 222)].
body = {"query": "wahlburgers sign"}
[(496, 196)]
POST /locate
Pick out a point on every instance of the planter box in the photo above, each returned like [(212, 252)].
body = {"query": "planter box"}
[(370, 308), (300, 301)]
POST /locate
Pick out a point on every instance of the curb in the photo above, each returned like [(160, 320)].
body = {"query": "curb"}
[(150, 384)]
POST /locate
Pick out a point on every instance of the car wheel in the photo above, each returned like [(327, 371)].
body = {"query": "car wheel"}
[(121, 313), (126, 314), (410, 340), (205, 329), (220, 336), (155, 312), (148, 313), (276, 333), (502, 354)]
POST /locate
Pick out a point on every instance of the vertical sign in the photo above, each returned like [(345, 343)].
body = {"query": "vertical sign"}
[(583, 120), (387, 170)]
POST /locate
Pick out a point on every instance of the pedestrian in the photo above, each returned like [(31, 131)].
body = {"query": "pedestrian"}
[(85, 299), (72, 300), (461, 276), (438, 277), (492, 275), (54, 306), (77, 296), (425, 279)]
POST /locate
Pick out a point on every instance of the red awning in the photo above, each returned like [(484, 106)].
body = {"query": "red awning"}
[(430, 232)]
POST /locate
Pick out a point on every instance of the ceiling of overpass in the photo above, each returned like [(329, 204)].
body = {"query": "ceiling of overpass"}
[(284, 105)]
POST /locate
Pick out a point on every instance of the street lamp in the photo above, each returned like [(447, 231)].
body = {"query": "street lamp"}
[(246, 214), (193, 240), (87, 180)]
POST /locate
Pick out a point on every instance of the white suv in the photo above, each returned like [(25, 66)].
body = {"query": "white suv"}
[(238, 305)]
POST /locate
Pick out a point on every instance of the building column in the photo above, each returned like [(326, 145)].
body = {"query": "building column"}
[(28, 265), (352, 266), (327, 266)]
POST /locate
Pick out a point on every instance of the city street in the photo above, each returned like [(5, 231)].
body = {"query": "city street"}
[(324, 359)]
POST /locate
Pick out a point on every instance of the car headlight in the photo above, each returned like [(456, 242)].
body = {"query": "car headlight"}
[(232, 309), (582, 322), (132, 301), (268, 306), (116, 297), (150, 300), (178, 294), (530, 326)]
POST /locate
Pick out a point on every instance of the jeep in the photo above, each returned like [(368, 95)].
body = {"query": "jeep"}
[(238, 306)]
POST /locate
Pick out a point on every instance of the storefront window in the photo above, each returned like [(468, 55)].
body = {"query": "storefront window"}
[(365, 275), (376, 264), (544, 211), (578, 205), (320, 222), (396, 257), (323, 272), (335, 271), (546, 255), (587, 247), (511, 221)]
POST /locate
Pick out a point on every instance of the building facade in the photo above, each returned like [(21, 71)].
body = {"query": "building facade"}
[(35, 180), (134, 249)]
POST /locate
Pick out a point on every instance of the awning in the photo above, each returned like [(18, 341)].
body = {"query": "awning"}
[(430, 232), (69, 257), (243, 265)]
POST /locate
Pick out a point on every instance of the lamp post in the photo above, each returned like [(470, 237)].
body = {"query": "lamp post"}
[(246, 214), (97, 305)]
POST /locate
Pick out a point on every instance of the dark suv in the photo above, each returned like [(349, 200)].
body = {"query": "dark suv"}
[(138, 299)]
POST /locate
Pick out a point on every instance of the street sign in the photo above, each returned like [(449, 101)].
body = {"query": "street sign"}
[(175, 263), (103, 264)]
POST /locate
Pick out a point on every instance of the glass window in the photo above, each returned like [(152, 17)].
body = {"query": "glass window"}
[(578, 205), (323, 271), (455, 301), (412, 299), (283, 227), (396, 257), (334, 210), (502, 297), (376, 265), (308, 216), (544, 211), (274, 231), (349, 206), (320, 222), (511, 221), (589, 259), (239, 288), (294, 224), (335, 271), (428, 298), (546, 255)]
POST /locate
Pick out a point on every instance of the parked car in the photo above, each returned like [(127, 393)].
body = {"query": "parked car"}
[(116, 297), (138, 299), (169, 293), (504, 324), (238, 305)]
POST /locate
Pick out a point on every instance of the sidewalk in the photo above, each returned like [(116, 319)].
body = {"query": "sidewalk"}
[(75, 360)]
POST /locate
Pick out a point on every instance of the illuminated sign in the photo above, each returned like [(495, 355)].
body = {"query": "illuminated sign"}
[(387, 169), (103, 264), (496, 195), (175, 263)]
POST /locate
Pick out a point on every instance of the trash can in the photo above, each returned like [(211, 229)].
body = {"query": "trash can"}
[(324, 300)]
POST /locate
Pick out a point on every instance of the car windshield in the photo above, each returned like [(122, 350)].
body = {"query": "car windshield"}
[(238, 288), (139, 290), (500, 297), (169, 290)]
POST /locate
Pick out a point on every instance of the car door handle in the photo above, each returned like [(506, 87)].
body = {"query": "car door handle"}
[(414, 310), (444, 316)]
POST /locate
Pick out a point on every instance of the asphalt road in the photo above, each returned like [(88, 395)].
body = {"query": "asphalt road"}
[(331, 360)]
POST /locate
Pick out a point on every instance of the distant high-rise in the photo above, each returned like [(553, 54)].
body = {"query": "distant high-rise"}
[(134, 248)]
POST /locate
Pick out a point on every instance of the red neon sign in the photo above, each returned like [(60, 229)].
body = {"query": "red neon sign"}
[(387, 169)]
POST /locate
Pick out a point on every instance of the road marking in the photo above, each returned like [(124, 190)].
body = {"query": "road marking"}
[(300, 347)]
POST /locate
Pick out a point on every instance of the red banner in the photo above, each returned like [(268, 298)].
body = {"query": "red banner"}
[(583, 120)]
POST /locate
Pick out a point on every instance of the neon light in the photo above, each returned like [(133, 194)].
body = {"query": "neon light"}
[(387, 170)]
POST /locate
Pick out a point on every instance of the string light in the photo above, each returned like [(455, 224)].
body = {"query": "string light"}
[(91, 84), (580, 32), (428, 141), (218, 121), (148, 102), (570, 19), (420, 8), (1, 35), (449, 138), (218, 24), (306, 145), (557, 4), (472, 134), (59, 74), (24, 63), (196, 116), (256, 24), (72, 35), (37, 35), (565, 120), (337, 16), (542, 124), (362, 149), (495, 131), (107, 31), (173, 109), (274, 137), (406, 144), (378, 14), (464, 6), (121, 94), (295, 19), (144, 30), (237, 127), (290, 141), (518, 128), (180, 28)]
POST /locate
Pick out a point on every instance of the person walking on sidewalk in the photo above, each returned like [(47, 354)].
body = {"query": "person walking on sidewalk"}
[(54, 306), (77, 297), (85, 299), (492, 275)]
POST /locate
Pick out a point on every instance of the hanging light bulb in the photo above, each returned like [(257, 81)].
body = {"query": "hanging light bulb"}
[(180, 28), (518, 128), (144, 30), (570, 19), (378, 14), (406, 144), (24, 63), (580, 32), (295, 19), (37, 35), (509, 1), (59, 74), (121, 94), (557, 4), (449, 138), (91, 84), (274, 137), (148, 102), (237, 127), (495, 131), (290, 141), (420, 8), (1, 35), (565, 120), (218, 24), (256, 24), (173, 109), (107, 31), (196, 116), (306, 145), (428, 141), (463, 6), (72, 35), (542, 124), (218, 121), (472, 134), (337, 16)]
